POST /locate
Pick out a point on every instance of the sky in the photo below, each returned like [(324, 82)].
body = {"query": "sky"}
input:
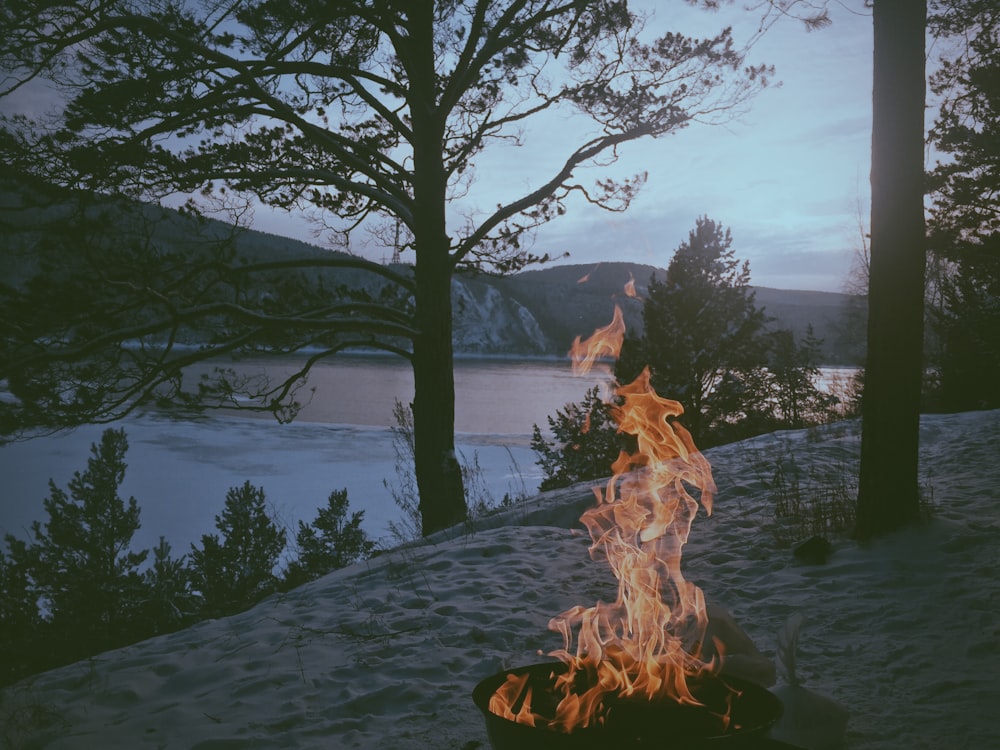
[(789, 177)]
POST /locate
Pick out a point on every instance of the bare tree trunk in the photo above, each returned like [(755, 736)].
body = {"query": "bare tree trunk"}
[(888, 494), (439, 476)]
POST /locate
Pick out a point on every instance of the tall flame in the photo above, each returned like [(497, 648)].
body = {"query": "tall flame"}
[(604, 342), (648, 643), (630, 287)]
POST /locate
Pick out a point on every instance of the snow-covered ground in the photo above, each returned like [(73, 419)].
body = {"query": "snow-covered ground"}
[(904, 632)]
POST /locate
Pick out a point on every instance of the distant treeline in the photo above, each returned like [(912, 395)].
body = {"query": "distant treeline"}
[(706, 342), (573, 300)]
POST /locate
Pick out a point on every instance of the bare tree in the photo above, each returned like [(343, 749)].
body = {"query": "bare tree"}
[(358, 111)]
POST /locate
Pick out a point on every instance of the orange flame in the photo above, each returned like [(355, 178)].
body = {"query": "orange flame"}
[(586, 277), (604, 342), (630, 287), (648, 643), (642, 644), (504, 702)]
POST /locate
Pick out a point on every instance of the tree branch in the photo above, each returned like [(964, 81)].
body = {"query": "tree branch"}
[(587, 151)]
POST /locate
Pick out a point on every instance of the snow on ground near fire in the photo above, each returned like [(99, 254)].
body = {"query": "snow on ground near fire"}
[(904, 633)]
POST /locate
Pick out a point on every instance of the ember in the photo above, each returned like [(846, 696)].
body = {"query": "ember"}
[(634, 670), (630, 723)]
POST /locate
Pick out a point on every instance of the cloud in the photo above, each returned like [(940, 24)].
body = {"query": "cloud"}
[(786, 177)]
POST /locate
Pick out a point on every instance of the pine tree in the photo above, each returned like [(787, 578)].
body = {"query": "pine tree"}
[(20, 620), (703, 333), (236, 571), (357, 112), (964, 220), (168, 603), (81, 561), (794, 371), (586, 443), (330, 542)]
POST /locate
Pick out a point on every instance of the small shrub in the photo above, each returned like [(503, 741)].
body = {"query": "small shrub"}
[(235, 572), (815, 504), (479, 500), (405, 494), (330, 542), (586, 442)]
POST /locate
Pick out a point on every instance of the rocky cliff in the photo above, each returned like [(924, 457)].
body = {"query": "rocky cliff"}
[(488, 322)]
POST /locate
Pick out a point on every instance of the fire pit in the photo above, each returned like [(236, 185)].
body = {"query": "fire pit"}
[(663, 724), (642, 671)]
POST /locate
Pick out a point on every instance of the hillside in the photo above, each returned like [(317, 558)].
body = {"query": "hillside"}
[(536, 312), (575, 299)]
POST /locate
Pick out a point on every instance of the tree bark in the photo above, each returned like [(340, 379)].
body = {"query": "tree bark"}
[(439, 476), (888, 493), (438, 473)]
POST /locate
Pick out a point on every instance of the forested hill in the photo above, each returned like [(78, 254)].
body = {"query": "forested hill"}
[(571, 300), (536, 312)]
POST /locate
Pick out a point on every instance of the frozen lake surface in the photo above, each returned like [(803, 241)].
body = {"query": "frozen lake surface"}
[(179, 471)]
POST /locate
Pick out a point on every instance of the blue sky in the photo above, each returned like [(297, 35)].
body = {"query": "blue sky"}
[(789, 177)]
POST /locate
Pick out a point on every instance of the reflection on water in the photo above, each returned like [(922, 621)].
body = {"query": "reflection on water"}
[(492, 396), (180, 471)]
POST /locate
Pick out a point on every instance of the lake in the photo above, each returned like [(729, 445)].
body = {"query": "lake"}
[(492, 396), (179, 471)]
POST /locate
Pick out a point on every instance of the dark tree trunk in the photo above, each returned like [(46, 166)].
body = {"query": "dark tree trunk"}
[(439, 476), (888, 493)]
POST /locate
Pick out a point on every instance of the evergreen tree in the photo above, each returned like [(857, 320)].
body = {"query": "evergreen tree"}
[(20, 620), (964, 221), (794, 371), (168, 603), (80, 560), (703, 334), (743, 403), (330, 542), (586, 442), (968, 328), (236, 571)]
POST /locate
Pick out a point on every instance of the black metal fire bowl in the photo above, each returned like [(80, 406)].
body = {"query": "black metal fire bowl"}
[(664, 725)]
